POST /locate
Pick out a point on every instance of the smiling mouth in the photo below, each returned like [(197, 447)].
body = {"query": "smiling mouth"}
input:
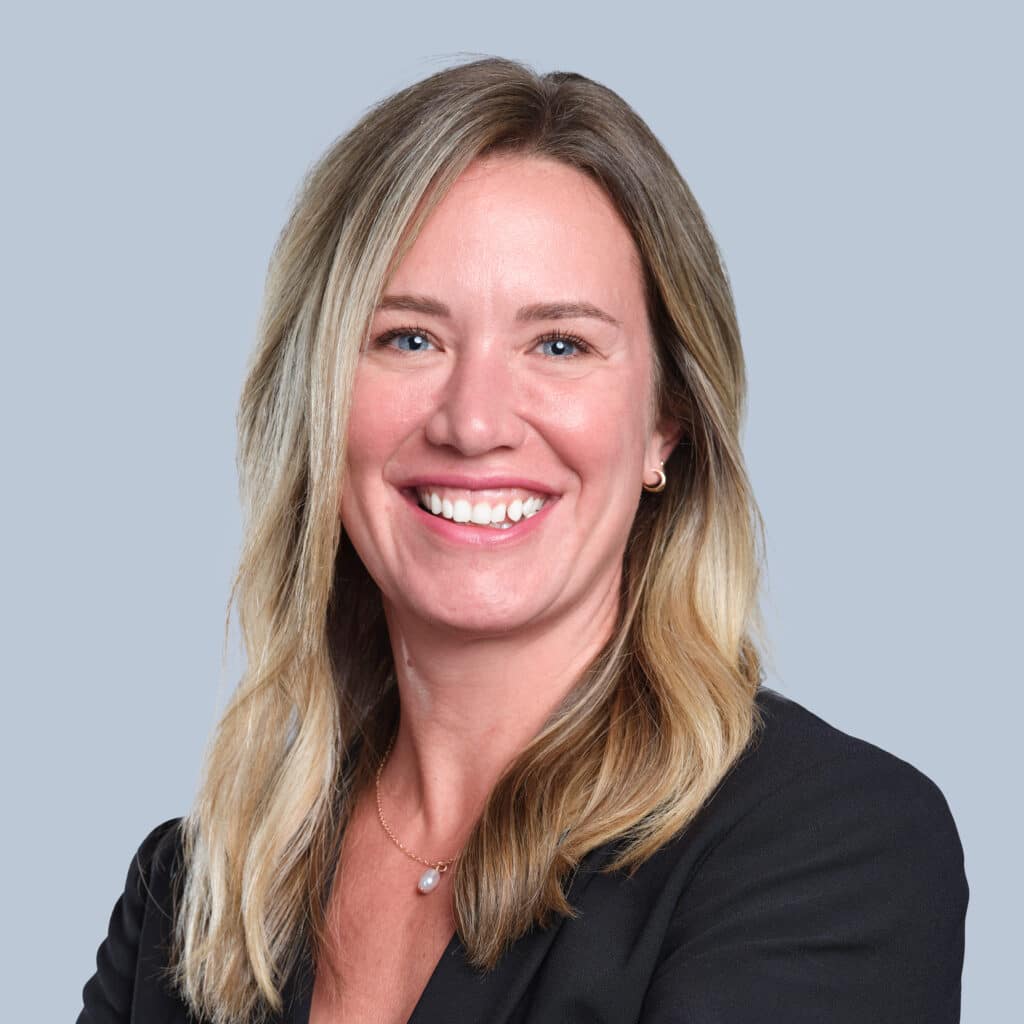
[(498, 510)]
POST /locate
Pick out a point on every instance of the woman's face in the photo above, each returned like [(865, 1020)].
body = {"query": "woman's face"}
[(502, 420)]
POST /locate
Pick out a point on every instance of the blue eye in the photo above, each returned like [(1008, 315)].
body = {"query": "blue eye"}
[(406, 341), (563, 346)]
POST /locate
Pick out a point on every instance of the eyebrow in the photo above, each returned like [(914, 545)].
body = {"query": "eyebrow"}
[(525, 314)]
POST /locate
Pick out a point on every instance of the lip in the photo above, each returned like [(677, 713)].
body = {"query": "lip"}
[(465, 535)]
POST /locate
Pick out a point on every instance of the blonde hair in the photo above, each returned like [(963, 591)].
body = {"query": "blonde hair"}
[(658, 718)]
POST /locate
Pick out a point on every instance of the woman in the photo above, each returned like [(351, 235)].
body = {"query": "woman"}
[(501, 752)]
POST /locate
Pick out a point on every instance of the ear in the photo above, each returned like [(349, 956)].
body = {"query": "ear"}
[(662, 442)]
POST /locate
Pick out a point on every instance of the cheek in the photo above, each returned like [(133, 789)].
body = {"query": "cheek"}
[(374, 434), (602, 428), (382, 416)]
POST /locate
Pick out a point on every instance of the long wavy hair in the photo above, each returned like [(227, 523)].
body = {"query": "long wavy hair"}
[(655, 722)]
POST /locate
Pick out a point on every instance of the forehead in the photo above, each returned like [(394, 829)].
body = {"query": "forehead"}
[(525, 228)]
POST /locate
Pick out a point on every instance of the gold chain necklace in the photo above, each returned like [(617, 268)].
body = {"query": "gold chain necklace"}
[(431, 878)]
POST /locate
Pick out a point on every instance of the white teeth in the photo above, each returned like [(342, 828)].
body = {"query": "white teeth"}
[(500, 515)]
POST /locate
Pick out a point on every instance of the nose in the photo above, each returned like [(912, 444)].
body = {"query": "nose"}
[(475, 411)]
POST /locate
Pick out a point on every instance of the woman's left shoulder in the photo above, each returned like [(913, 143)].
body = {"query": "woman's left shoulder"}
[(824, 877), (801, 764), (805, 792)]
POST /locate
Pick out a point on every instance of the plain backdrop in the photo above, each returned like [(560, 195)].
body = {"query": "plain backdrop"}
[(860, 167)]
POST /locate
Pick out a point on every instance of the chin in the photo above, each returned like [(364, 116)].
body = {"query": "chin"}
[(475, 617)]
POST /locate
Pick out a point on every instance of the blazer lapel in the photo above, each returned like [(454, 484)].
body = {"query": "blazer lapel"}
[(457, 991)]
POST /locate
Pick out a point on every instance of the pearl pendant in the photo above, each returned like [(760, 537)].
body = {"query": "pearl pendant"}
[(429, 880)]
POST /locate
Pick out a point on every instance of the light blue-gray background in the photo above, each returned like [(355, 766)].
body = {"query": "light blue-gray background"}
[(860, 166)]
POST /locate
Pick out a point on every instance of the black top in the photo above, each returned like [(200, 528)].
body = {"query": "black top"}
[(823, 882)]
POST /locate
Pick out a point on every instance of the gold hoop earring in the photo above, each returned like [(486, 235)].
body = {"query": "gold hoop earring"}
[(660, 485)]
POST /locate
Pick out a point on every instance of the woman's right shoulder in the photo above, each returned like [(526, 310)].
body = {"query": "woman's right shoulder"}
[(160, 852), (153, 868), (139, 928)]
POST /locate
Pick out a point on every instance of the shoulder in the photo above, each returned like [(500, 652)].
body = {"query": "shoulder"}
[(804, 785), (159, 854), (140, 925), (822, 881), (798, 761), (824, 871), (793, 738), (154, 867)]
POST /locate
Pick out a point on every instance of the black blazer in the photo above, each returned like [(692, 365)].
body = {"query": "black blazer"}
[(823, 882)]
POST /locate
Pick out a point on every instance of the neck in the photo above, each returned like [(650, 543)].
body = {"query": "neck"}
[(469, 706)]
